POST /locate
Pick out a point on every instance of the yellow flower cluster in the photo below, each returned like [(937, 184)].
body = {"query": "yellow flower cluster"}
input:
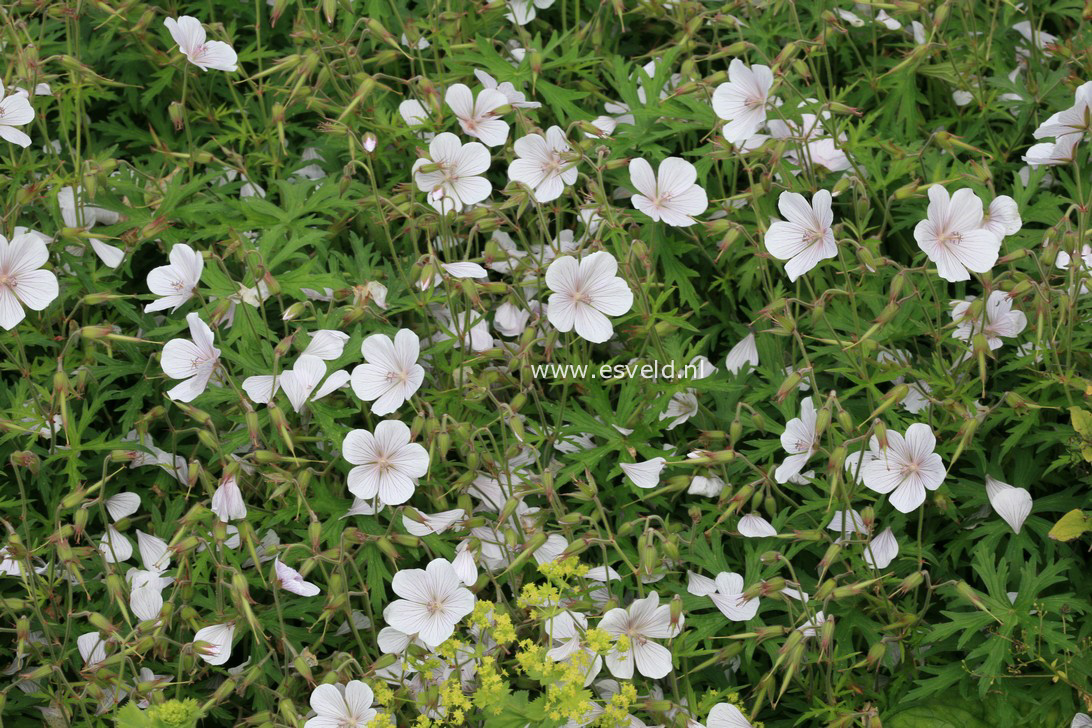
[(616, 712), (563, 570), (382, 720), (538, 595), (453, 699), (383, 694), (492, 688)]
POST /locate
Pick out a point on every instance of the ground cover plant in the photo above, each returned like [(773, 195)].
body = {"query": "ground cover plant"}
[(545, 363)]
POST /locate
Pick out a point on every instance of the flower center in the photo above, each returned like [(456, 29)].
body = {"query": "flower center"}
[(953, 237), (8, 280), (434, 606), (910, 468)]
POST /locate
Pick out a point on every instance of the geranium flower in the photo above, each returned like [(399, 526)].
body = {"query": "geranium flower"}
[(342, 706), (680, 408), (671, 194), (882, 550), (146, 592), (217, 639), (1003, 217), (154, 553), (433, 601), (522, 12), (22, 283), (176, 282), (476, 116), (327, 344), (906, 468), (541, 164), (391, 374), (585, 293), (1000, 320), (708, 486), (227, 500), (755, 526), (726, 591), (743, 353), (190, 36), (122, 505), (742, 101), (76, 215), (645, 474), (952, 235), (301, 382), (387, 463), (799, 440), (114, 546), (805, 236), (292, 581), (92, 648), (453, 177), (193, 361), (641, 622), (15, 110), (1011, 503), (516, 98), (726, 715)]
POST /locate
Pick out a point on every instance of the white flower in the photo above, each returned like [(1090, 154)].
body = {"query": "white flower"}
[(805, 237), (122, 505), (516, 98), (387, 463), (189, 34), (327, 344), (811, 627), (646, 474), (114, 546), (510, 319), (454, 178), (728, 597), (541, 164), (681, 408), (743, 99), (154, 553), (176, 282), (301, 382), (726, 715), (643, 621), (391, 375), (847, 523), (15, 110), (1011, 503), (799, 440), (292, 581), (522, 12), (1000, 320), (146, 592), (338, 706), (1068, 127), (670, 194), (952, 235), (227, 500), (585, 293), (882, 549), (433, 601), (22, 283), (92, 648), (1081, 720), (709, 486), (217, 637), (1003, 217), (476, 116), (426, 524), (744, 352), (413, 113), (755, 526), (906, 468), (193, 361)]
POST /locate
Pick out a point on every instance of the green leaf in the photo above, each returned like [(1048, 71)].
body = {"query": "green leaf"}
[(1070, 526)]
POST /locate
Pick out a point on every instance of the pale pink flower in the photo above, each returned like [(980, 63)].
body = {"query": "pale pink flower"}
[(387, 463), (433, 600), (952, 235), (906, 468), (671, 194), (743, 100), (22, 282), (805, 236), (292, 581), (542, 164), (585, 293), (194, 361), (190, 36), (476, 116), (456, 180), (391, 374)]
